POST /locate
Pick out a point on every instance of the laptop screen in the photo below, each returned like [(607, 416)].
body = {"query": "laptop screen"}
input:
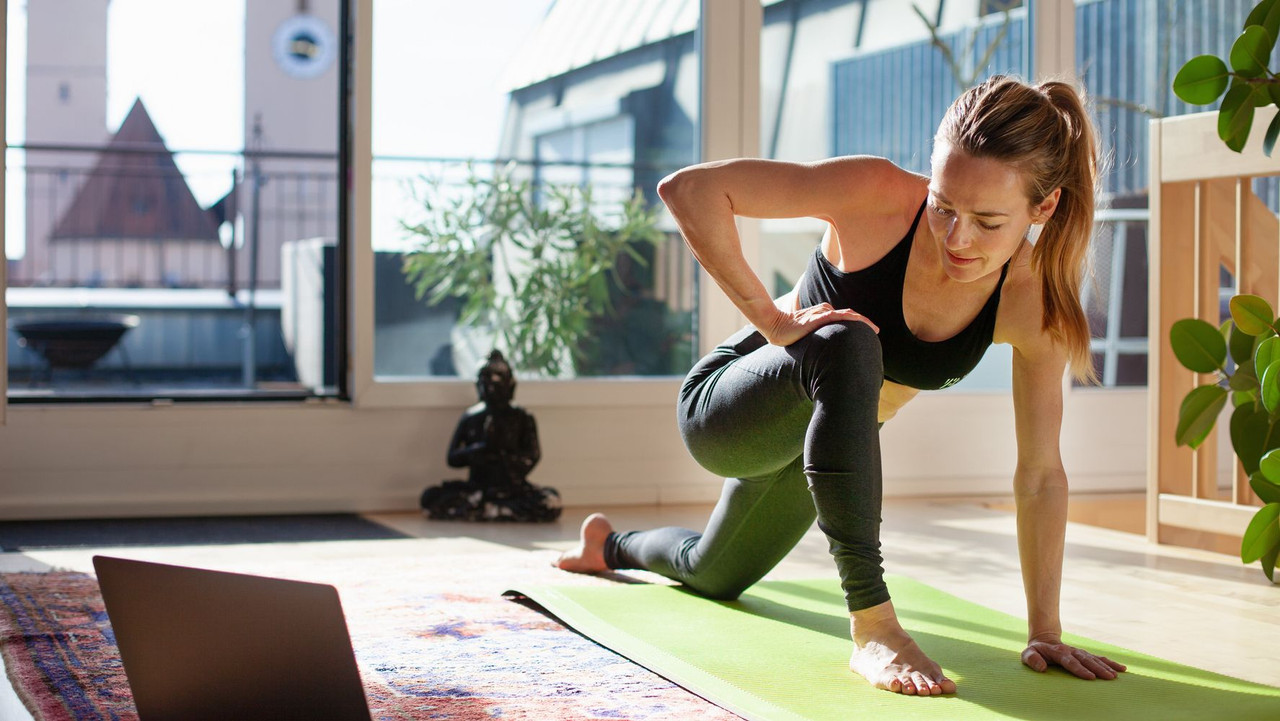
[(199, 644)]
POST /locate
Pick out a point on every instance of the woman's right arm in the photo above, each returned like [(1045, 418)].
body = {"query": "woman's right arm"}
[(705, 199)]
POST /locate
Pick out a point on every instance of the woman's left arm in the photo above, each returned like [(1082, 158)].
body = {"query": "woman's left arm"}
[(1040, 489)]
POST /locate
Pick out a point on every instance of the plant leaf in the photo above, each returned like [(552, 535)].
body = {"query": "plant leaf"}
[(1269, 466), (1262, 535), (1269, 492), (1273, 132), (1269, 563), (1235, 116), (1267, 353), (1258, 15), (1244, 378), (1201, 80), (1198, 345), (1251, 432), (1251, 313), (1270, 382), (1251, 51), (1198, 413), (1261, 95), (1239, 343), (1240, 398), (1271, 22)]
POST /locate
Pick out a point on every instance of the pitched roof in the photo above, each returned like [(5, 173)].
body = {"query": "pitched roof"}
[(576, 33), (135, 192)]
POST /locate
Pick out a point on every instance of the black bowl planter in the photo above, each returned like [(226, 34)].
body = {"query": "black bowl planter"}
[(75, 343)]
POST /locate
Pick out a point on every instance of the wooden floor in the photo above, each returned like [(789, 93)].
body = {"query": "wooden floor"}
[(1194, 607)]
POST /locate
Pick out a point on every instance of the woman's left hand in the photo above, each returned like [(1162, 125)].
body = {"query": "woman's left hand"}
[(1042, 653)]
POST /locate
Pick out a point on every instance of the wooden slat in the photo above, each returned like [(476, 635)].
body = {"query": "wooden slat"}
[(1260, 231), (1204, 515), (1235, 264), (1215, 244), (1191, 150), (1205, 284), (1176, 266), (1260, 261), (1155, 364)]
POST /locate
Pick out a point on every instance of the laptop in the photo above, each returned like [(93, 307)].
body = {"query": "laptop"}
[(199, 644)]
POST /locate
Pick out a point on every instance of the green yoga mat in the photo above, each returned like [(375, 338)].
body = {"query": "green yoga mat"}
[(782, 650)]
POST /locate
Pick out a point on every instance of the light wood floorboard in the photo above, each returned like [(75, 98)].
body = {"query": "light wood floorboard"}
[(1194, 607)]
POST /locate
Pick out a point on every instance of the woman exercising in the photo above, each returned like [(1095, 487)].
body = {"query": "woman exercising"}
[(912, 281)]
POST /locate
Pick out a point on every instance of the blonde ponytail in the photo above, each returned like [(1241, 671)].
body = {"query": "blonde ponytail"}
[(1044, 131), (1063, 249)]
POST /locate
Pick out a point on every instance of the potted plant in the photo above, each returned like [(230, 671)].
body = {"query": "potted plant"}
[(1250, 342), (538, 267), (1244, 82)]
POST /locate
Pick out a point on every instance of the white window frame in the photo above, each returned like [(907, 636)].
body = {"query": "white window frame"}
[(730, 121), (1053, 39), (729, 117), (4, 266)]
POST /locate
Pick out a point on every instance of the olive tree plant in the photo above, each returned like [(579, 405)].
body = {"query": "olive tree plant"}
[(535, 265)]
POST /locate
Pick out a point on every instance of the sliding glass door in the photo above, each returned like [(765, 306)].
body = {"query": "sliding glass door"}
[(516, 149), (173, 194)]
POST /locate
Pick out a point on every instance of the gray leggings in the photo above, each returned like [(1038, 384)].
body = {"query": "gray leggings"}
[(794, 432)]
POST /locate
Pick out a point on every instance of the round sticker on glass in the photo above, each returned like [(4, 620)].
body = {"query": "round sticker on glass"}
[(303, 46)]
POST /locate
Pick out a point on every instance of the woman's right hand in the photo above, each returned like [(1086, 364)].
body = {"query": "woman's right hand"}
[(790, 326)]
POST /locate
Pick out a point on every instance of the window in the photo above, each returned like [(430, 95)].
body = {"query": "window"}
[(566, 115), (1128, 52), (156, 209)]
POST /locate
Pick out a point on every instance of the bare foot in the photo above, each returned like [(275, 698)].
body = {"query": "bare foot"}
[(588, 555), (889, 658)]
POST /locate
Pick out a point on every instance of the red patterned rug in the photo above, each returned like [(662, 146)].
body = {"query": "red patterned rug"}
[(433, 639)]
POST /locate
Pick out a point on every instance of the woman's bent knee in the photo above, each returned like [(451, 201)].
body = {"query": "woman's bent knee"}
[(846, 355), (849, 338)]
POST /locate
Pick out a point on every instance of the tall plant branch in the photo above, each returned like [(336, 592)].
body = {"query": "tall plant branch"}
[(964, 79)]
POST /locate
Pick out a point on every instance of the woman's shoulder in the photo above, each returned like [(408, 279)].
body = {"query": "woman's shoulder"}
[(878, 176), (1019, 321), (878, 192)]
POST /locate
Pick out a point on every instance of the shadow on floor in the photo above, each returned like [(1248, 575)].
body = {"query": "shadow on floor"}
[(201, 531)]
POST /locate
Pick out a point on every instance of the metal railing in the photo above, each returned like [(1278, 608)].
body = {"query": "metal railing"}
[(119, 217), (1115, 296)]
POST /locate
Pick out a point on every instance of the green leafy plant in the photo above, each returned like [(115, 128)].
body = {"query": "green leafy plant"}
[(1244, 77), (1249, 340), (535, 265)]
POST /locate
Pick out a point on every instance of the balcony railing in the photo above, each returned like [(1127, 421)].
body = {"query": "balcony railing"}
[(92, 220), (1208, 224)]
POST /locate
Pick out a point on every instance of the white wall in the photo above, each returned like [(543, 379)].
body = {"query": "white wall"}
[(65, 461), (95, 461)]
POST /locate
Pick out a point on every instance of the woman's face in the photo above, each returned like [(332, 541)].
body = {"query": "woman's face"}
[(978, 212)]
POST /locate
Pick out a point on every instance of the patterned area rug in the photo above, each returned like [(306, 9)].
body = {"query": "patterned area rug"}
[(433, 637)]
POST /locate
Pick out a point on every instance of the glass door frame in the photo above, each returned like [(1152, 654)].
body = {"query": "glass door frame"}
[(729, 44), (4, 267)]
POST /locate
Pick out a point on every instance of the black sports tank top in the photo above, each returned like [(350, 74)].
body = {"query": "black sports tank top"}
[(876, 292)]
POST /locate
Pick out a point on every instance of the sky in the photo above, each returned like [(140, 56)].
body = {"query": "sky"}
[(437, 67)]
